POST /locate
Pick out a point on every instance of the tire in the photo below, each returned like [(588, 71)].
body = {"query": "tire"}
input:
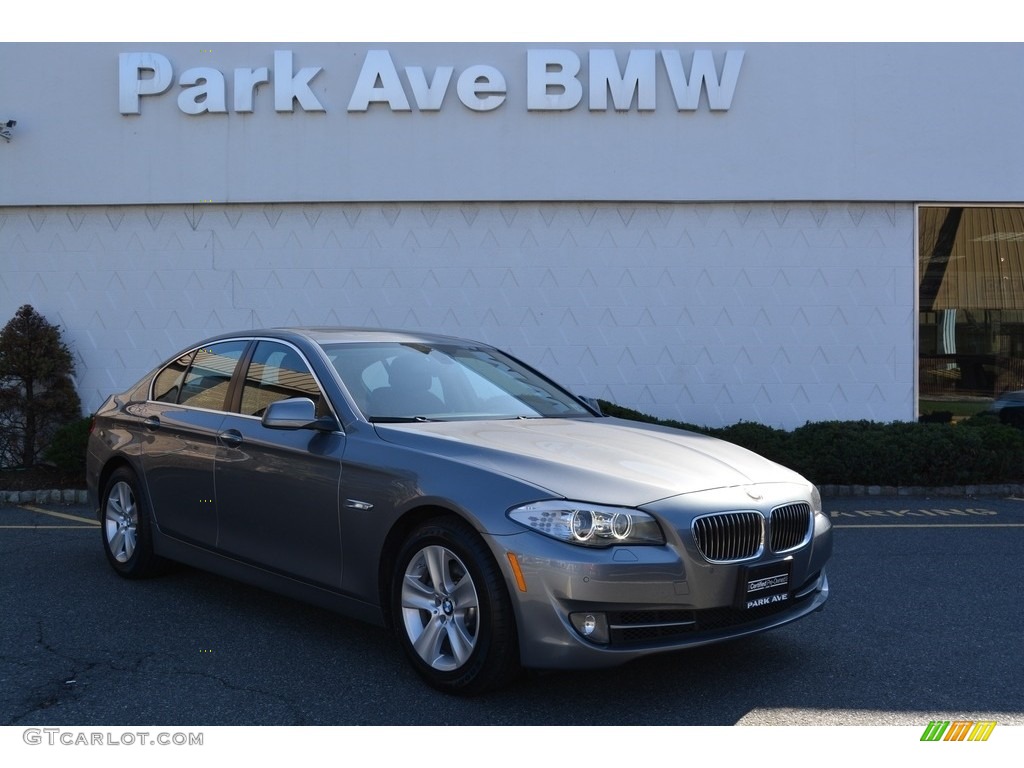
[(451, 610), (125, 528)]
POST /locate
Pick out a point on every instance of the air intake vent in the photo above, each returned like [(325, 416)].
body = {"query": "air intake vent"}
[(730, 536)]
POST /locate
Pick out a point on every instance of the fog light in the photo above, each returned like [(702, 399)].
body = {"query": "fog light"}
[(592, 626)]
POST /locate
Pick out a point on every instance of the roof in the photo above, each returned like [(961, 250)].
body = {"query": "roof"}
[(339, 334)]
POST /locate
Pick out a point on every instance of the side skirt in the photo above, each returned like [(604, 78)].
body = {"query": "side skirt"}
[(223, 565)]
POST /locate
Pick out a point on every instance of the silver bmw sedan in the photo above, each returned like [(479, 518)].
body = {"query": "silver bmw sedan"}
[(444, 489)]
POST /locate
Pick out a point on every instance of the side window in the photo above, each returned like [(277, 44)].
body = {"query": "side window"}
[(278, 372), (207, 380), (167, 385)]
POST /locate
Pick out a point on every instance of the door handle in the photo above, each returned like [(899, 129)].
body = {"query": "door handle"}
[(232, 438), (151, 423)]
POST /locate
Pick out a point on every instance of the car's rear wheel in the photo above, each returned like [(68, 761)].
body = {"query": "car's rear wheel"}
[(125, 527), (451, 609)]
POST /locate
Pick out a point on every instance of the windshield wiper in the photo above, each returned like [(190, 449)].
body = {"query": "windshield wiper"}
[(399, 419)]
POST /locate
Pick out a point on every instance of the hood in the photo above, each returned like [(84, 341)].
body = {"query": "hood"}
[(602, 460)]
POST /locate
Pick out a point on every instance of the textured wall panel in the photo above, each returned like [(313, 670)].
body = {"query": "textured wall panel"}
[(777, 313), (808, 121)]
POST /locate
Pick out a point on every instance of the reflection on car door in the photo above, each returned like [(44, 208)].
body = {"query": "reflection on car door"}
[(277, 490), (179, 428)]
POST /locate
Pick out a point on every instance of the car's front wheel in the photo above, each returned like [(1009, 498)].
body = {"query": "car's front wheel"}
[(125, 527), (451, 609)]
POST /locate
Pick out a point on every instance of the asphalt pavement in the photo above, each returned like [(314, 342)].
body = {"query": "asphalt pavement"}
[(923, 623)]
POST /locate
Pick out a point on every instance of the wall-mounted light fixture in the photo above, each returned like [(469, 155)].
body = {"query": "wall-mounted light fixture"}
[(5, 129)]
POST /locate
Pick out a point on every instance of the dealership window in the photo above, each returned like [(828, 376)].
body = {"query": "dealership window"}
[(971, 322)]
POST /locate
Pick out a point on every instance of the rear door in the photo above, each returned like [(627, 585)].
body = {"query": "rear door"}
[(181, 422)]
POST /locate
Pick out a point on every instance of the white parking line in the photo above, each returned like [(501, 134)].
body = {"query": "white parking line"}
[(46, 527), (63, 515), (934, 525)]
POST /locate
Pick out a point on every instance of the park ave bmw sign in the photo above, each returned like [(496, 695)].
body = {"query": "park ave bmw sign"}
[(554, 82)]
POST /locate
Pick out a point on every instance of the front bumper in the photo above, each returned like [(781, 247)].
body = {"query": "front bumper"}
[(651, 599)]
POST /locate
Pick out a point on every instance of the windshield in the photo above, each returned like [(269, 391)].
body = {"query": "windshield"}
[(393, 381)]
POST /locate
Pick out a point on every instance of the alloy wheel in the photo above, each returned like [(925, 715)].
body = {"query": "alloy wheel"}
[(440, 608), (121, 521)]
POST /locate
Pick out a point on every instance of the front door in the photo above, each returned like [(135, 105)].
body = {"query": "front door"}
[(277, 490)]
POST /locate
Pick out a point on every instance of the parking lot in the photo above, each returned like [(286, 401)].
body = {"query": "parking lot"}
[(924, 623)]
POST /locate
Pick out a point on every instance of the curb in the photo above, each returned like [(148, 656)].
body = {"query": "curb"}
[(70, 496), (53, 496)]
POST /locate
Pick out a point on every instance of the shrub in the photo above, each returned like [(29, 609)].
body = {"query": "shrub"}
[(67, 449), (37, 395), (772, 443), (621, 412), (977, 451)]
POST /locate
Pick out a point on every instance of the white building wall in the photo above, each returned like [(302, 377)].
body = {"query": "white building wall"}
[(710, 313), (818, 121)]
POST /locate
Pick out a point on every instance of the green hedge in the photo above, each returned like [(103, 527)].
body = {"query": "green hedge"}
[(979, 450), (67, 449)]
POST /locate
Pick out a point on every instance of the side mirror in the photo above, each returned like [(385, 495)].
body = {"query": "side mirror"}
[(593, 403), (296, 413)]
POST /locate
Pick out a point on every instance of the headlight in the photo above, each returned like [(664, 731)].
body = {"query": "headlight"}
[(816, 500), (821, 521), (589, 525)]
